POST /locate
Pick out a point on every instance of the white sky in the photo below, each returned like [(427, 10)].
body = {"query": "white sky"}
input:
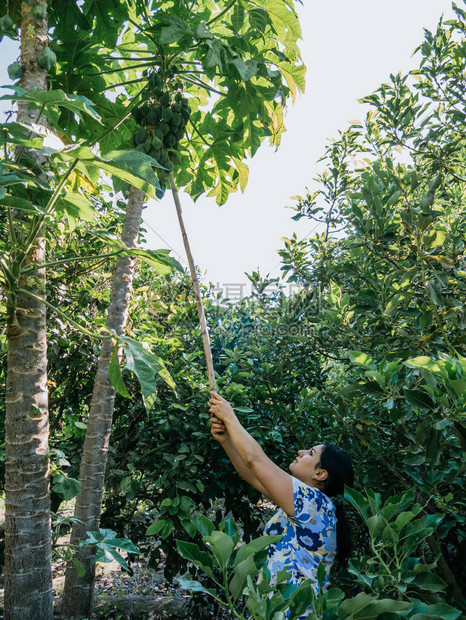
[(349, 49)]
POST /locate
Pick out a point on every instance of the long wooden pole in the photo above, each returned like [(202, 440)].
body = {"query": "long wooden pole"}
[(197, 289)]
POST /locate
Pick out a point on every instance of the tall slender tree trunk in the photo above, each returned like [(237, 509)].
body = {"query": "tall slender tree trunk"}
[(28, 555), (78, 592)]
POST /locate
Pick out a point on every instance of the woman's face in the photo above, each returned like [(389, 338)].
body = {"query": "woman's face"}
[(305, 466)]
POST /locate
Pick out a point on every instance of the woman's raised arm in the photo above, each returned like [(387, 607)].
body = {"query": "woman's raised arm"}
[(222, 436), (274, 482)]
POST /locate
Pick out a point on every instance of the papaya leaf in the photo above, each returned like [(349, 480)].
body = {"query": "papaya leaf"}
[(107, 18), (132, 167), (147, 367), (174, 28), (158, 259), (106, 544), (114, 374), (246, 70), (21, 204), (76, 207), (66, 487), (54, 98)]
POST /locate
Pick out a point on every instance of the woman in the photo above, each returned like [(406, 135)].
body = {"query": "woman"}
[(311, 516)]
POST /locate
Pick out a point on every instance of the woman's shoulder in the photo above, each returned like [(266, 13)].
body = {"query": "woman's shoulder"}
[(311, 494)]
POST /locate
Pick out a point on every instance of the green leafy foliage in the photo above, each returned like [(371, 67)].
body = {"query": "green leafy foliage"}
[(146, 367), (63, 551), (233, 569), (52, 100), (397, 528), (106, 543), (391, 291), (66, 487), (369, 355), (246, 68)]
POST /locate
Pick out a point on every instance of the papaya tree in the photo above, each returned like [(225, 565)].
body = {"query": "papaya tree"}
[(41, 185), (246, 62), (28, 574)]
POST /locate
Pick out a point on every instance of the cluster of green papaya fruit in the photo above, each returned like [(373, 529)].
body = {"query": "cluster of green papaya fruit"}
[(38, 12), (46, 57), (162, 119)]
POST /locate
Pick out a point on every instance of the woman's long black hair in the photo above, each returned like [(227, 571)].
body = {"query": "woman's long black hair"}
[(340, 473)]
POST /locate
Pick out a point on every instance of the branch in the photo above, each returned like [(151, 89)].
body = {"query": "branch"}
[(102, 90), (133, 104), (146, 14), (222, 13), (189, 62), (14, 238), (199, 134), (35, 227), (453, 174), (6, 270), (51, 203), (451, 350), (144, 31), (442, 90), (67, 261), (196, 82), (144, 64), (60, 186), (126, 57), (81, 272), (131, 51), (65, 317), (189, 71)]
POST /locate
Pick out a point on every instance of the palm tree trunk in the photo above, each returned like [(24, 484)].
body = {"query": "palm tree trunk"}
[(78, 592), (28, 555)]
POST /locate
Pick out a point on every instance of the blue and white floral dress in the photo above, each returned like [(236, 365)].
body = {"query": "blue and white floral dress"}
[(309, 537)]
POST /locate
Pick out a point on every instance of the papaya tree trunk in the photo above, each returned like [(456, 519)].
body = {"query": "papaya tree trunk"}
[(78, 591), (28, 554)]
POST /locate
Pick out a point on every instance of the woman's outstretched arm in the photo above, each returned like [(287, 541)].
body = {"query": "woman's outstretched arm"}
[(276, 483), (220, 433)]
